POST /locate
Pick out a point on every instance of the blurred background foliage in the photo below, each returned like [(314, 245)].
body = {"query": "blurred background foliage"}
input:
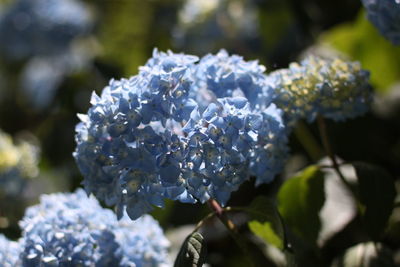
[(41, 94), (361, 41)]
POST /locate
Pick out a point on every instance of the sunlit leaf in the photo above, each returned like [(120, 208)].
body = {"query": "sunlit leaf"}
[(266, 232), (300, 200), (265, 221)]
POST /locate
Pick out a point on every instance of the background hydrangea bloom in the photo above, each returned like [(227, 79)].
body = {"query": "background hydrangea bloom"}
[(147, 138), (336, 89), (72, 229), (48, 37), (200, 29), (9, 252), (17, 162), (41, 27), (385, 15), (142, 242)]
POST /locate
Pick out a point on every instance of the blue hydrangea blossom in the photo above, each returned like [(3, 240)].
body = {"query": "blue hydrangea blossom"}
[(9, 252), (127, 147), (153, 136), (333, 88), (385, 15), (142, 242), (60, 231)]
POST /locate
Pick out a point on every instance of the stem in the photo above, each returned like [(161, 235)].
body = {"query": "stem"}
[(201, 223), (308, 141), (219, 211), (329, 151)]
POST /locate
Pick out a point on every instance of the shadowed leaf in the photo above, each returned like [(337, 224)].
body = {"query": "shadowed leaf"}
[(377, 193), (192, 253)]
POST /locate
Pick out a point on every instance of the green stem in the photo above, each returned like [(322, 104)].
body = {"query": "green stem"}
[(201, 223), (307, 140), (328, 149)]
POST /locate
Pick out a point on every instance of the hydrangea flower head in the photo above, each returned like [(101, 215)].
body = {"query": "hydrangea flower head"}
[(127, 149), (150, 137), (17, 163), (9, 252), (61, 231), (334, 88), (385, 15), (41, 27)]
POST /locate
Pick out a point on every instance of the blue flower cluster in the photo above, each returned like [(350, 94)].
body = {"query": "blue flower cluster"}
[(9, 252), (41, 27), (333, 88), (180, 130), (385, 15), (60, 231)]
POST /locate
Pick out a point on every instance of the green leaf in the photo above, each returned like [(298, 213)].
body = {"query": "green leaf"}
[(263, 209), (300, 200), (192, 253), (377, 193), (267, 233), (266, 222)]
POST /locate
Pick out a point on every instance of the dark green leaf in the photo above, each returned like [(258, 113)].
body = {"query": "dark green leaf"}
[(192, 253), (300, 200), (377, 193)]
